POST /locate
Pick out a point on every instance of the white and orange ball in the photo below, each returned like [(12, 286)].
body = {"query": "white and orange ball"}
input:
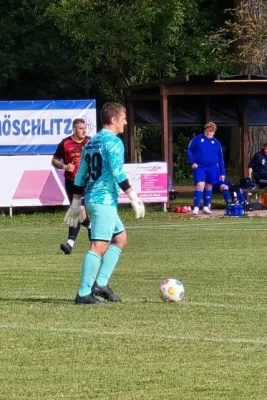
[(171, 290)]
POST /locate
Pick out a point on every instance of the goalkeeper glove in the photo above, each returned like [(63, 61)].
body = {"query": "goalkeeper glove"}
[(74, 214), (137, 205)]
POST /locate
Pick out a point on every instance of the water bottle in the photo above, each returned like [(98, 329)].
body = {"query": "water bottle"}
[(228, 209), (171, 188), (234, 196), (236, 210), (249, 198), (241, 209)]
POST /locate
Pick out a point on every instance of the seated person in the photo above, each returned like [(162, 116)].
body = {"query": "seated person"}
[(228, 189), (257, 167)]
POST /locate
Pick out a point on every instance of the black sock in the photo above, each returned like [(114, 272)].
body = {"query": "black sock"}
[(86, 223), (73, 232)]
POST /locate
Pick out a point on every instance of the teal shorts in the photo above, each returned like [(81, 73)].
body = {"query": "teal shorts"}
[(105, 221)]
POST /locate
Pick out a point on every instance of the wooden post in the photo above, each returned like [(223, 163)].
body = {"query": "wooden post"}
[(170, 138), (164, 124), (244, 139)]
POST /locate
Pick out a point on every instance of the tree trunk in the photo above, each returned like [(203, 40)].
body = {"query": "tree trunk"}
[(257, 134)]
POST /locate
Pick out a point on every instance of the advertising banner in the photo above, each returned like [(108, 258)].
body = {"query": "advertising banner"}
[(149, 180), (36, 127), (33, 181)]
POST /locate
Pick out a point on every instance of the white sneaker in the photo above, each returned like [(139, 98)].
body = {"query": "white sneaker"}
[(195, 211), (206, 210)]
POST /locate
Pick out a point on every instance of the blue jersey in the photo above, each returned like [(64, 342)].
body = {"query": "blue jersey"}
[(101, 168), (207, 153)]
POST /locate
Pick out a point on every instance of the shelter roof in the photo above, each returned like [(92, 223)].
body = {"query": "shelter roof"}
[(154, 87)]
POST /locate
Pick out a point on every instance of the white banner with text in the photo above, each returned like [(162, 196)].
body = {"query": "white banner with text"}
[(36, 127), (33, 181)]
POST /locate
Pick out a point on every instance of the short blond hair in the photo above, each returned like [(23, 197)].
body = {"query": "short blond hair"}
[(210, 126)]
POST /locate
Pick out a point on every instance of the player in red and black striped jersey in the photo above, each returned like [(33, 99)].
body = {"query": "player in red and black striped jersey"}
[(67, 157)]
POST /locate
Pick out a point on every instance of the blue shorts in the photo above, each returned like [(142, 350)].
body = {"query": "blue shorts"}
[(207, 175), (105, 221)]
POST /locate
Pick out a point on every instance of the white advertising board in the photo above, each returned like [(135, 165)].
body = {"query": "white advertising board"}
[(33, 181)]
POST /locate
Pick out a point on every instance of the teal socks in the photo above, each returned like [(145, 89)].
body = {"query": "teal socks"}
[(90, 267), (108, 264)]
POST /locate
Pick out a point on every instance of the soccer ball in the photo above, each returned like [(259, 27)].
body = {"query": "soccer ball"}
[(171, 290)]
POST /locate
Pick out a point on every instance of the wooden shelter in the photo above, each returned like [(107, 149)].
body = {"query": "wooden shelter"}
[(239, 100)]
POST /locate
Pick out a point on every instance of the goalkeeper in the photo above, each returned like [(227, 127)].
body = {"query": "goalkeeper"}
[(101, 172)]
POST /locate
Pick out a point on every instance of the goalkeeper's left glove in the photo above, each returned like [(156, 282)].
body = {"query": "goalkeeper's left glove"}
[(73, 215), (137, 205)]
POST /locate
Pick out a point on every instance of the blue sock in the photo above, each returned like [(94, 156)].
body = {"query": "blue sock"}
[(240, 195), (197, 197), (207, 197), (226, 195), (90, 266), (109, 261)]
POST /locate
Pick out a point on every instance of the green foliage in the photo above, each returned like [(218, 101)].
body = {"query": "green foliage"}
[(139, 139), (182, 169), (151, 143), (119, 43), (95, 48), (148, 141), (35, 61), (62, 48), (126, 41)]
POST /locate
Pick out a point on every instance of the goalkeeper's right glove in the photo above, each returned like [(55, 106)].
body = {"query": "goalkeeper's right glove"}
[(137, 205), (74, 214)]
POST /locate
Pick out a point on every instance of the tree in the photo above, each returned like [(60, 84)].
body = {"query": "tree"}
[(61, 48), (245, 36), (119, 43), (35, 61), (246, 33)]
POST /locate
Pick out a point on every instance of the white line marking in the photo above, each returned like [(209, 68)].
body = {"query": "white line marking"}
[(189, 225), (165, 225), (94, 332), (199, 223), (177, 227), (185, 303), (229, 306)]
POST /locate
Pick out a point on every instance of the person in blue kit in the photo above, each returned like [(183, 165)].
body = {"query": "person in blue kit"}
[(101, 172), (228, 189), (257, 167), (205, 156)]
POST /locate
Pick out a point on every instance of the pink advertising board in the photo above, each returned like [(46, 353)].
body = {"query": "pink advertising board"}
[(149, 180)]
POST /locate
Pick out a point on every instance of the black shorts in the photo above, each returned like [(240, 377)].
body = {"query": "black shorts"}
[(69, 187)]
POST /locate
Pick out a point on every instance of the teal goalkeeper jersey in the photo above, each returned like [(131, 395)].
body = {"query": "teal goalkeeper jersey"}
[(101, 168)]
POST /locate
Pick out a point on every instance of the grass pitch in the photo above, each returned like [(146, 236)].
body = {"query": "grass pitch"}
[(212, 345)]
